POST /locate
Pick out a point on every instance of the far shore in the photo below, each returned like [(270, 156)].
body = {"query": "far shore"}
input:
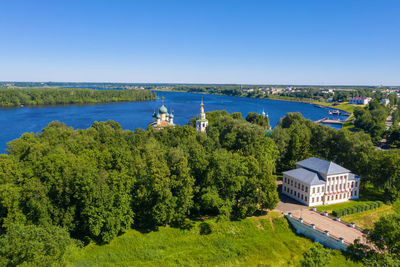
[(328, 105)]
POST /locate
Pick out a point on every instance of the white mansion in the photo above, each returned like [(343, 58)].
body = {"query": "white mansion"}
[(319, 182)]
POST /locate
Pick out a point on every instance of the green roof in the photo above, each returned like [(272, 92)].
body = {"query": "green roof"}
[(202, 120), (163, 109)]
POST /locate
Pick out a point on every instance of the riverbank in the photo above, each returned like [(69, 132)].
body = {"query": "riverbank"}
[(61, 96)]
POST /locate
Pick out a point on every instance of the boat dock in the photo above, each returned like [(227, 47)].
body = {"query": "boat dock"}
[(330, 121)]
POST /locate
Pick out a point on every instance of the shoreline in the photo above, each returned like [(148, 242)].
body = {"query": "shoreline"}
[(74, 104), (279, 99)]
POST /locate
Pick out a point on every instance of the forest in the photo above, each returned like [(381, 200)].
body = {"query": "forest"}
[(94, 184), (67, 96), (64, 188)]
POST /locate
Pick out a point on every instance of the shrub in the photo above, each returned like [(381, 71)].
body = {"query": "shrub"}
[(357, 208)]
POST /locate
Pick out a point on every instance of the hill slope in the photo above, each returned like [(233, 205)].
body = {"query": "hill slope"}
[(265, 241)]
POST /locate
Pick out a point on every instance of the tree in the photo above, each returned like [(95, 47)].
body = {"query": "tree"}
[(258, 119), (316, 256), (34, 246), (385, 234)]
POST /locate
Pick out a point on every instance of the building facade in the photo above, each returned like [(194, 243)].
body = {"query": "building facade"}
[(202, 122), (359, 100), (317, 182)]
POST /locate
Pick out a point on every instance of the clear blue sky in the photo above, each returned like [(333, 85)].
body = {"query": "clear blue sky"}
[(201, 41)]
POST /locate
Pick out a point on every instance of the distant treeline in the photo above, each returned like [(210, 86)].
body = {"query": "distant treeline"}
[(41, 96)]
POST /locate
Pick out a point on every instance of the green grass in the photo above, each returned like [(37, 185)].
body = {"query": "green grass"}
[(257, 241), (367, 218)]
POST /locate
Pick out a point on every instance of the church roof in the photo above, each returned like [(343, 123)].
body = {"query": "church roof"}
[(163, 109), (306, 176), (322, 166)]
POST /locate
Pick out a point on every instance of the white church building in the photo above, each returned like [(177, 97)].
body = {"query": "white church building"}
[(202, 122), (320, 182)]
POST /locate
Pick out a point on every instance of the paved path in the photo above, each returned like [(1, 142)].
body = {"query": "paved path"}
[(335, 228)]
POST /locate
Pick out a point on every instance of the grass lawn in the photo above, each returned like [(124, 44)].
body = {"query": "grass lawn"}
[(256, 241), (367, 218)]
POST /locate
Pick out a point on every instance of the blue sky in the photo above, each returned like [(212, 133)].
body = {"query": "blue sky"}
[(189, 41)]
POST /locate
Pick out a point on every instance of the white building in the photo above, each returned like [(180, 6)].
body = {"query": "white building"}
[(202, 123), (359, 100), (319, 182)]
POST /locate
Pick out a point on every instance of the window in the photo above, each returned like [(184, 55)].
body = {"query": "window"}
[(322, 189), (291, 182), (301, 196), (332, 188), (337, 186), (317, 199), (336, 197), (329, 198), (329, 179), (291, 191), (302, 187), (284, 179), (355, 193), (340, 186), (305, 198), (295, 184), (312, 200), (306, 189), (317, 189), (313, 191), (356, 184)]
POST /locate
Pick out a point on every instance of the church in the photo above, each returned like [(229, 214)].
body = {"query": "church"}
[(202, 122), (162, 118)]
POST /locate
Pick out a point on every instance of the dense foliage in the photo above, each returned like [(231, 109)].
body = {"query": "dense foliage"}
[(258, 119), (36, 96), (371, 120), (384, 243), (99, 182), (316, 256), (36, 245), (297, 138)]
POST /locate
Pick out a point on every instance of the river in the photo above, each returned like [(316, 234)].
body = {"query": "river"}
[(131, 115)]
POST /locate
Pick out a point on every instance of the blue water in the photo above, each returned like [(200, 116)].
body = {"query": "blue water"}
[(131, 115)]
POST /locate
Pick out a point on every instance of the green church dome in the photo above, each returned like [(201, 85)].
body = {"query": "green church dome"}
[(163, 109), (158, 116), (171, 115)]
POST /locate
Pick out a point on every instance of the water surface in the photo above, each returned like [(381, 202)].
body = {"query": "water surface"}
[(131, 115)]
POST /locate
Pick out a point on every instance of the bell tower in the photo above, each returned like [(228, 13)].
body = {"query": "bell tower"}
[(202, 122)]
